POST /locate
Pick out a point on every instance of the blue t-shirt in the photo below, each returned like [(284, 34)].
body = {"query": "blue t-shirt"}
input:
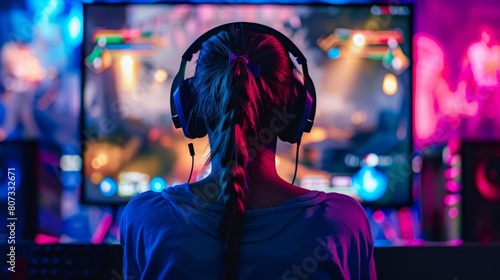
[(173, 235)]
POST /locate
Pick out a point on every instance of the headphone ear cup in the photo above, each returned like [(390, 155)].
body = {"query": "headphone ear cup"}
[(185, 100), (291, 119), (298, 111)]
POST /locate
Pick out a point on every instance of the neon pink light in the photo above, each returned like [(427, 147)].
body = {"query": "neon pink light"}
[(415, 242), (378, 216), (429, 65), (450, 158), (454, 145), (432, 88), (453, 186), (386, 227), (41, 238), (406, 223), (480, 56), (102, 229), (453, 213), (451, 199), (452, 173)]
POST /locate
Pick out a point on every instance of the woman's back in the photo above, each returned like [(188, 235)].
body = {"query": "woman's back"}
[(313, 236), (244, 221)]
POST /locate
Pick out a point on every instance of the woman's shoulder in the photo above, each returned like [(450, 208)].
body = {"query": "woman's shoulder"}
[(152, 197), (142, 205), (342, 200), (143, 198), (345, 212)]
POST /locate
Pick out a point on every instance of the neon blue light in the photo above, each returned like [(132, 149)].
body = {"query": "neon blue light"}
[(334, 53), (157, 184), (47, 8), (75, 27), (108, 187), (370, 183)]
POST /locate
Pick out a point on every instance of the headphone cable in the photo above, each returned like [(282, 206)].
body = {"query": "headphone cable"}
[(191, 152), (296, 161)]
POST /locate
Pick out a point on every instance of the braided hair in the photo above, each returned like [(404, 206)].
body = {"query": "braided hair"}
[(233, 101)]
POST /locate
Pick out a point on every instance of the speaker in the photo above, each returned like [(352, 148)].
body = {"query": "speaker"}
[(433, 191), (440, 193), (481, 191)]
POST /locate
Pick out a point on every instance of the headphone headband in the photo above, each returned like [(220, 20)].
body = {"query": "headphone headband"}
[(255, 27)]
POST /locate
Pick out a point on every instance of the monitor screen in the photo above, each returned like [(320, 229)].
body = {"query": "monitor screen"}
[(358, 57)]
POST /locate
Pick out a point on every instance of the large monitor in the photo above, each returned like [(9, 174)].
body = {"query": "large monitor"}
[(358, 57)]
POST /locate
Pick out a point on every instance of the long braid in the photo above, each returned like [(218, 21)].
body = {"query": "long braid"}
[(239, 121), (231, 101)]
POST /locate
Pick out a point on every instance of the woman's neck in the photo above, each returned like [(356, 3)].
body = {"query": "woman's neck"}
[(265, 187), (262, 167)]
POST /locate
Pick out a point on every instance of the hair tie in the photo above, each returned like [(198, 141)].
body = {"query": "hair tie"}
[(254, 68)]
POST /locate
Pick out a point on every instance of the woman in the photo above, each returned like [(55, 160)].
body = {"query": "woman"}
[(244, 221)]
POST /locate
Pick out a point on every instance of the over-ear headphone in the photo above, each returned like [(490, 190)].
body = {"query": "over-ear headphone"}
[(183, 95)]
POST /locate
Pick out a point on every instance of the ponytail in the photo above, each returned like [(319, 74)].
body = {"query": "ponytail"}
[(233, 94), (238, 121)]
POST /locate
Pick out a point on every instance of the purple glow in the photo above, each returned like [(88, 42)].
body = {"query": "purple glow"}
[(453, 213)]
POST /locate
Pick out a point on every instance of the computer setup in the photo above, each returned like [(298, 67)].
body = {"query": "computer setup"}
[(373, 73), (359, 59), (361, 144)]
